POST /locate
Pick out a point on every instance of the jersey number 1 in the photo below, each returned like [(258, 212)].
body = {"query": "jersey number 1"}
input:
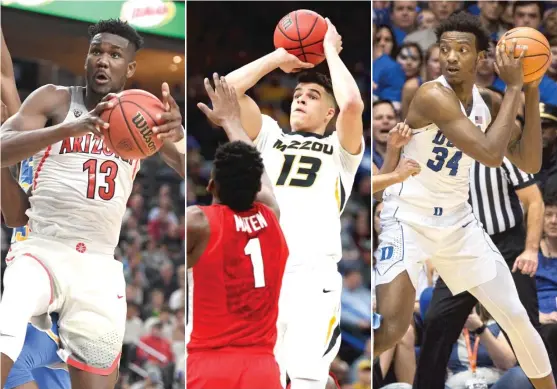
[(110, 170), (253, 250)]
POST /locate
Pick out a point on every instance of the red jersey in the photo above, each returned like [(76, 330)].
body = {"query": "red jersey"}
[(237, 281)]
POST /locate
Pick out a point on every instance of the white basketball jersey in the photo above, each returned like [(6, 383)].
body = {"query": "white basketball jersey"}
[(443, 183), (312, 177), (80, 188)]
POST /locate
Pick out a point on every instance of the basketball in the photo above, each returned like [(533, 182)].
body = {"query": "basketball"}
[(538, 56), (131, 120), (301, 33)]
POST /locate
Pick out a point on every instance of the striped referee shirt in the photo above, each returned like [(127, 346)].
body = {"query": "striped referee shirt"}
[(493, 195)]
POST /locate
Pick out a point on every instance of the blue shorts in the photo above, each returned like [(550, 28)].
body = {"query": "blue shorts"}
[(38, 354)]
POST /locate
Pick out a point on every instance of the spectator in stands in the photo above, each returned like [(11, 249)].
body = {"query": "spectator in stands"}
[(431, 70), (403, 18), (548, 115), (410, 59), (158, 350), (552, 71), (490, 14), (425, 38), (528, 14), (388, 76), (546, 276), (494, 357)]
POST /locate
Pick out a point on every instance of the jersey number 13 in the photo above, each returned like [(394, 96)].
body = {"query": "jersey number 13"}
[(105, 171)]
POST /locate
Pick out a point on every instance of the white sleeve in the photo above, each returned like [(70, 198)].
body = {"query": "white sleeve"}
[(348, 163), (269, 133)]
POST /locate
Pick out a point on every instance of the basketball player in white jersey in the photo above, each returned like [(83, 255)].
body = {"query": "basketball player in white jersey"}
[(312, 176), (77, 202), (428, 216)]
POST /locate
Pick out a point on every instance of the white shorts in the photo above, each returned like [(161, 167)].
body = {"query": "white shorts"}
[(457, 246), (88, 290), (309, 323)]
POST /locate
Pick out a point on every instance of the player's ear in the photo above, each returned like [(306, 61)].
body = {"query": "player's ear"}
[(131, 69), (330, 112), (210, 186), (482, 56)]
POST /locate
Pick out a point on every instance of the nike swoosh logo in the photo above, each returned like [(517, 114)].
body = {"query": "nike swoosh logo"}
[(9, 259), (327, 290), (119, 297), (11, 336), (466, 225)]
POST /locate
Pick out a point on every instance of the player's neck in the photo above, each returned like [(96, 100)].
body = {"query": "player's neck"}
[(316, 131), (91, 99), (464, 92)]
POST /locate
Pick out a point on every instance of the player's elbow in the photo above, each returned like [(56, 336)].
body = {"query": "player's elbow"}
[(15, 221), (353, 104)]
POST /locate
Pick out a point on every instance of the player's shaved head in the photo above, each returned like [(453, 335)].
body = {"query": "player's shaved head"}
[(236, 175)]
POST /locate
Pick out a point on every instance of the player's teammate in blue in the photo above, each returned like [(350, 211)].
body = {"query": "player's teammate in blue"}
[(38, 365)]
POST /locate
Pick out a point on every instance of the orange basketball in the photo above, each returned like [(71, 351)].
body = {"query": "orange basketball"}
[(538, 56), (131, 120), (301, 33)]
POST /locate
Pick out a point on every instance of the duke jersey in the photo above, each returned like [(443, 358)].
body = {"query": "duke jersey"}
[(312, 176), (443, 183), (80, 188), (235, 286)]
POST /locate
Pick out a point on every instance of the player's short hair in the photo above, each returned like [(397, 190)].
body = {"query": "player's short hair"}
[(237, 171), (319, 79), (540, 5), (465, 22), (117, 27), (379, 102)]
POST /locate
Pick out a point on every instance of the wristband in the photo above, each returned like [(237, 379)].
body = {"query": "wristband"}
[(480, 330)]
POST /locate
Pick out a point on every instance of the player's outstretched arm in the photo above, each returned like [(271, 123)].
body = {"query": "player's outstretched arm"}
[(226, 113), (248, 75), (198, 233), (349, 123), (14, 201)]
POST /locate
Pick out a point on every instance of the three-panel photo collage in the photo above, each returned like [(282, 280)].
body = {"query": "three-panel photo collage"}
[(278, 194)]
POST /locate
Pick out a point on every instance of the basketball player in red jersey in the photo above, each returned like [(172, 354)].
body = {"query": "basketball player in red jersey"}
[(238, 253)]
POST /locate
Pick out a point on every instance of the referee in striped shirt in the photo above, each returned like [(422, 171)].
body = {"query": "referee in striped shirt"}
[(504, 199)]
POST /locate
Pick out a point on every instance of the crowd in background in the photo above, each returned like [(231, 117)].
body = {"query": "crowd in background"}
[(151, 248), (405, 55), (246, 35)]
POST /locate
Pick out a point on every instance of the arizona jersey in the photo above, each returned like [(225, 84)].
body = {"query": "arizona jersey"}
[(234, 287), (312, 176), (80, 188), (444, 181), (25, 181)]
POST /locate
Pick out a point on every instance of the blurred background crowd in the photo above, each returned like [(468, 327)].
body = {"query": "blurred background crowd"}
[(232, 35), (406, 54), (151, 245)]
